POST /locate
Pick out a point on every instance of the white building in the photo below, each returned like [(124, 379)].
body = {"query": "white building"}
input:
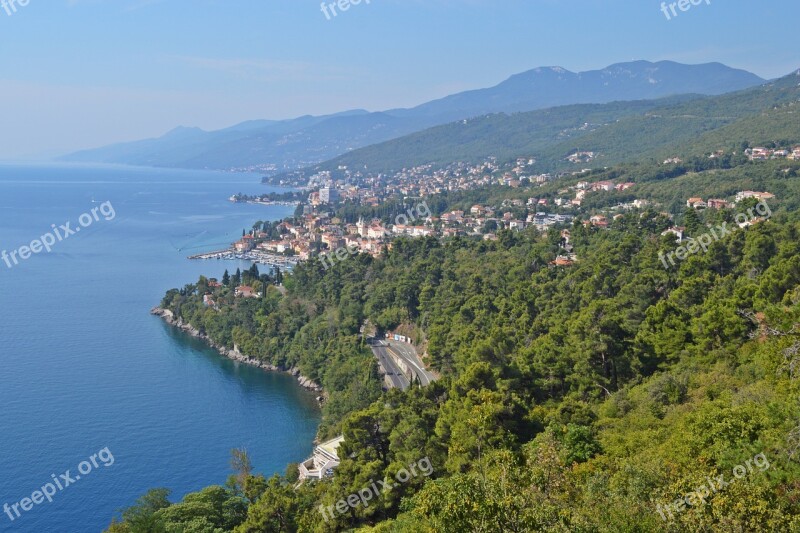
[(753, 194), (323, 462), (328, 195)]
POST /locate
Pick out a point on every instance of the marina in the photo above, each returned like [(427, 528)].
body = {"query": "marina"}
[(257, 256)]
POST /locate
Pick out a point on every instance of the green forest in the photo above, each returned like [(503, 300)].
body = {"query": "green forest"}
[(595, 397), (610, 395)]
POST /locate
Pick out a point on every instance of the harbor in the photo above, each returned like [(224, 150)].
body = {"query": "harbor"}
[(255, 200), (257, 256)]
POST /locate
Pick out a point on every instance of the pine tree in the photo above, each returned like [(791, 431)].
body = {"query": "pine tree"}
[(692, 221)]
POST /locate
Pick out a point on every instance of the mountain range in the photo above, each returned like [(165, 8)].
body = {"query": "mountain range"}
[(615, 132), (282, 145)]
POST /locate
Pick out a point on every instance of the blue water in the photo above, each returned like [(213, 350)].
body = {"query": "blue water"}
[(83, 366)]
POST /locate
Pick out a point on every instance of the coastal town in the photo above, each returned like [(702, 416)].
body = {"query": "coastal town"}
[(373, 266), (324, 227), (324, 224)]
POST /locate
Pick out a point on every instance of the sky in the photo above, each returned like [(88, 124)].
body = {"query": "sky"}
[(80, 74)]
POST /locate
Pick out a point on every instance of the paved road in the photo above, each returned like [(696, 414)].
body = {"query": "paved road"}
[(381, 351), (409, 354)]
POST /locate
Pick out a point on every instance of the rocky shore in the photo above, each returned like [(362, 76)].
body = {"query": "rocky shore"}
[(234, 354)]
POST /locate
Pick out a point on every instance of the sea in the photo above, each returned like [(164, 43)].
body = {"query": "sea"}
[(97, 397)]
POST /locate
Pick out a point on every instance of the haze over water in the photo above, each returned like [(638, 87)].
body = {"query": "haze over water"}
[(83, 366)]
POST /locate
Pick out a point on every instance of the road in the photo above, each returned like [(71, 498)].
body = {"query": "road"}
[(394, 373), (408, 353)]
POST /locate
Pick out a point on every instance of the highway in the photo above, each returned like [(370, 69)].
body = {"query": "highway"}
[(408, 353), (395, 374)]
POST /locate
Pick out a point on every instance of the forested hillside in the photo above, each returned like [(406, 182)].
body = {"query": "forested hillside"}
[(583, 398), (618, 132)]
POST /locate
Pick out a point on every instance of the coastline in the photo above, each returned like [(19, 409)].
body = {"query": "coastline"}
[(235, 354)]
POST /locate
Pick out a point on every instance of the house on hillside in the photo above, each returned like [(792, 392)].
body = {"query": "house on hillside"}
[(603, 186), (421, 231), (376, 231), (478, 210), (599, 220), (453, 217), (752, 194), (244, 291), (678, 231), (716, 203), (565, 260), (758, 154), (323, 462), (581, 157), (696, 203)]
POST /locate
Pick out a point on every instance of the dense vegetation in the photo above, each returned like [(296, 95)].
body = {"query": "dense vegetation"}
[(572, 399), (593, 397), (500, 135)]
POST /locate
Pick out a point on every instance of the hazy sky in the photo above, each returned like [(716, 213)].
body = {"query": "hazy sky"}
[(84, 73)]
